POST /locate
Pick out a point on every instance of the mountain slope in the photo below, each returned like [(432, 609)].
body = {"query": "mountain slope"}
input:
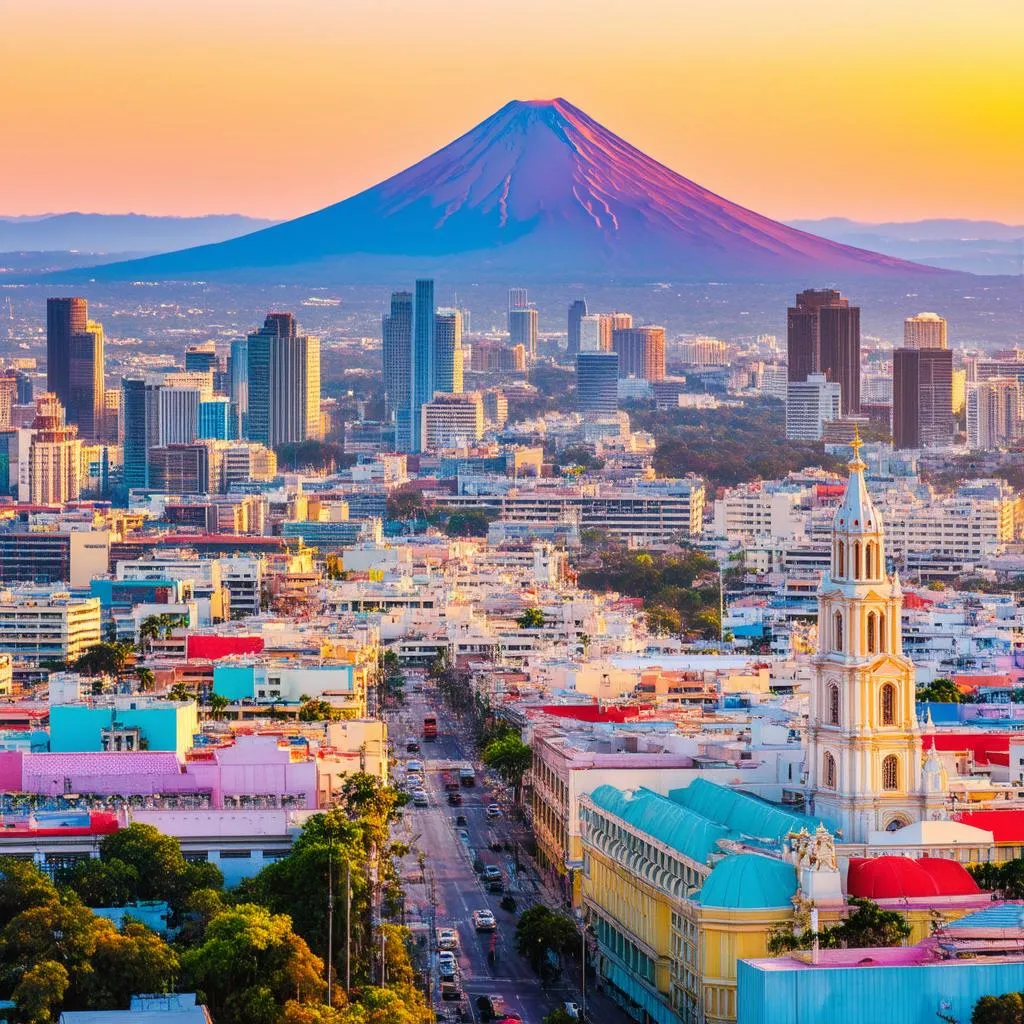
[(538, 187)]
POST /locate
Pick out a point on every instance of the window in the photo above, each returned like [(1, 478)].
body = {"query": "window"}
[(838, 638), (891, 773), (841, 559), (888, 704), (829, 773), (869, 561), (856, 560), (833, 704), (872, 632), (883, 643)]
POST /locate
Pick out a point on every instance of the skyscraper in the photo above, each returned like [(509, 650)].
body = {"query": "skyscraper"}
[(202, 357), (239, 366), (597, 383), (141, 418), (577, 311), (215, 419), (64, 319), (641, 352), (177, 415), (926, 330), (517, 299), (448, 360), (284, 382), (396, 351), (922, 397), (74, 363), (422, 373), (595, 333), (522, 329), (55, 457), (994, 413), (824, 337)]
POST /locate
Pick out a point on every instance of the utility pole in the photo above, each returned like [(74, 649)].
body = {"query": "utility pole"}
[(348, 927)]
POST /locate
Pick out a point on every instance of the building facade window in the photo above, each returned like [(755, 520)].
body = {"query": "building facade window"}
[(890, 773), (838, 631), (833, 704), (888, 704), (856, 560), (883, 641), (829, 772), (841, 559)]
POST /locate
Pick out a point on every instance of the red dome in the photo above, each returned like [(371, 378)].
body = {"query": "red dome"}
[(952, 878), (896, 878)]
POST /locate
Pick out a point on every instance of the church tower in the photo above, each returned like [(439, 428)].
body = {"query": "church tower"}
[(864, 748)]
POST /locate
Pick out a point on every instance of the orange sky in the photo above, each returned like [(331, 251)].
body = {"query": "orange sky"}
[(875, 109)]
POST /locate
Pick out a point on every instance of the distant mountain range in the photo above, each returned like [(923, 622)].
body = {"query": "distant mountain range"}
[(538, 188), (976, 246), (119, 233)]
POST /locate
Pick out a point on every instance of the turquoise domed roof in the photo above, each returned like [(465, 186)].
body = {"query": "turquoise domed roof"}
[(749, 881)]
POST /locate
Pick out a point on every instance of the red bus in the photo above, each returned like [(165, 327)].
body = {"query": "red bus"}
[(430, 726)]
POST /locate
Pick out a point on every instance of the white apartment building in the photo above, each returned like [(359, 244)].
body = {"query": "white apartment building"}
[(703, 351), (47, 626), (810, 404), (452, 421), (760, 512), (55, 470), (993, 413)]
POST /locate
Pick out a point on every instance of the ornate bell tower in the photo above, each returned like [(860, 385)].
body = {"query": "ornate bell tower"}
[(864, 765)]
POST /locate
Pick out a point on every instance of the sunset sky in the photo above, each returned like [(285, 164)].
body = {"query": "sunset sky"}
[(876, 109)]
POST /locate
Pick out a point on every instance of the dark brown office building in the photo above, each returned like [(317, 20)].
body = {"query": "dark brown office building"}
[(922, 397), (823, 336), (64, 319), (641, 352)]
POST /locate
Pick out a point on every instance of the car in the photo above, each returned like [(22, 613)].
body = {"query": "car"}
[(446, 956), (419, 799), (447, 969), (450, 990), (412, 747), (573, 1010), (447, 939), (491, 872), (414, 767), (483, 921), (455, 799), (493, 811), (460, 819)]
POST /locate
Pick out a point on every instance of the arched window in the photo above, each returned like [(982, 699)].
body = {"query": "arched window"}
[(888, 704), (869, 560), (872, 632), (856, 560), (841, 558), (833, 704), (829, 771), (883, 640), (837, 643), (891, 772)]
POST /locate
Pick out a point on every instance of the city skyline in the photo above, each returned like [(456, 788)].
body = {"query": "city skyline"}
[(894, 86)]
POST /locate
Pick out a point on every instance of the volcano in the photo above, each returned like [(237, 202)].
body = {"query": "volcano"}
[(538, 187)]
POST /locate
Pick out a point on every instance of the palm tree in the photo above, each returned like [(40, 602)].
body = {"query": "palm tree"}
[(146, 678), (150, 629), (218, 704), (179, 691)]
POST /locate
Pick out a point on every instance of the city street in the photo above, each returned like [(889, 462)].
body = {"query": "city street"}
[(457, 890)]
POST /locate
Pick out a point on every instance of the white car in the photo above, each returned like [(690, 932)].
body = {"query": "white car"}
[(573, 1010), (493, 811), (447, 939), (483, 921)]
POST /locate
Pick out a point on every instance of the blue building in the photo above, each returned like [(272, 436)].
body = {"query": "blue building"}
[(215, 419), (421, 369), (137, 723)]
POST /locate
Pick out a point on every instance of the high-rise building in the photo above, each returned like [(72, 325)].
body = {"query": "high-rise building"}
[(824, 337), (595, 333), (422, 372), (238, 364), (64, 319), (448, 357), (283, 382), (641, 352), (202, 357), (183, 468), (994, 417), (215, 419), (810, 404), (922, 397), (8, 398), (112, 415), (597, 383), (452, 421), (140, 414), (926, 330), (177, 415), (517, 299), (618, 321), (577, 311), (55, 458), (702, 351), (24, 382), (522, 329), (396, 350)]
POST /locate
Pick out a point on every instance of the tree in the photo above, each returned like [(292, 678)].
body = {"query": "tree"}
[(1006, 879), (940, 691), (104, 659), (250, 963), (532, 618), (40, 990), (180, 692), (1006, 1009), (101, 883), (146, 678), (218, 704), (510, 757), (560, 1016), (540, 930), (318, 711), (134, 959), (869, 925), (22, 886), (662, 620)]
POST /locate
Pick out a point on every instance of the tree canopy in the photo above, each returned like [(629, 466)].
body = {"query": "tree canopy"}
[(941, 691)]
